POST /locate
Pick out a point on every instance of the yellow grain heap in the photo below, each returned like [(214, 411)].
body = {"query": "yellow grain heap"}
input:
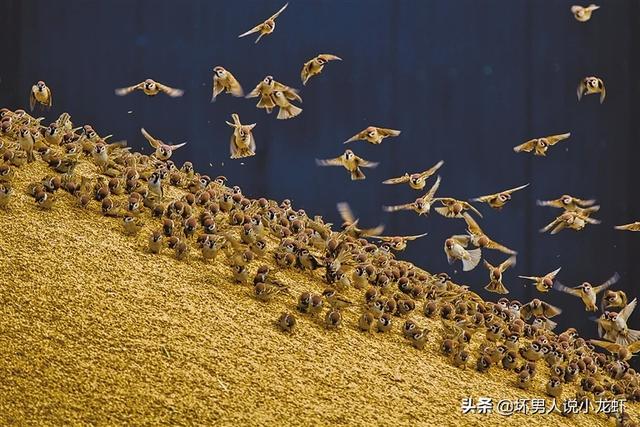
[(95, 330)]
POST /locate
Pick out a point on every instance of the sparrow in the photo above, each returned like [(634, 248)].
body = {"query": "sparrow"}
[(634, 226), (350, 223), (242, 143), (223, 80), (155, 242), (613, 326), (265, 90), (265, 27), (495, 275), (417, 181), (543, 283), (350, 162), (366, 322), (583, 14), (155, 185), (569, 219), (399, 243), (27, 142), (131, 225), (478, 238), (539, 146), (554, 387), (453, 208), (163, 151), (287, 322), (265, 291), (5, 195), (287, 109), (422, 205), (418, 338), (333, 319), (538, 308), (455, 250), (150, 88), (44, 200), (373, 135), (315, 65), (41, 94), (384, 323), (568, 203), (612, 299), (586, 291), (621, 352), (498, 200), (590, 85)]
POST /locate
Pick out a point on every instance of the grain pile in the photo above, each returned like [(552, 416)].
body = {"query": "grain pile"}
[(95, 330)]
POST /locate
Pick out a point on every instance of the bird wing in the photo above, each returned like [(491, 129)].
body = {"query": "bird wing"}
[(491, 244), (329, 57), (484, 199), (472, 225), (471, 208), (172, 92), (253, 30), (388, 132), (581, 89), (365, 163), (554, 273), (552, 224), (628, 309), (176, 146), (554, 139), (346, 213), (611, 281), (275, 15), (127, 90), (32, 100), (550, 310), (611, 347), (414, 237), (509, 262), (234, 85), (433, 169), (527, 146), (395, 208), (358, 136), (304, 73), (399, 180), (329, 162), (513, 190), (432, 191), (154, 142), (462, 239), (552, 203), (562, 288)]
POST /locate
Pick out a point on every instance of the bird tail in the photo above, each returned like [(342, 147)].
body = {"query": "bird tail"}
[(473, 260), (497, 287), (631, 336), (357, 174), (288, 112)]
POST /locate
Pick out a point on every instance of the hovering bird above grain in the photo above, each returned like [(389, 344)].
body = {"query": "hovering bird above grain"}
[(242, 143), (455, 250), (479, 238), (399, 243), (223, 80), (583, 13), (163, 151), (539, 146), (315, 66), (495, 275), (265, 90), (591, 85), (587, 292), (40, 94), (418, 180), (454, 208), (373, 135), (498, 200), (543, 283), (350, 162), (350, 223), (634, 226), (287, 109), (568, 203), (265, 27), (422, 205), (569, 219), (150, 88)]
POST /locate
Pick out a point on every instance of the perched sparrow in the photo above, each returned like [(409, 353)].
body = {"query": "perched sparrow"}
[(150, 88), (27, 143), (44, 200), (242, 143), (537, 308), (287, 322), (163, 151), (539, 146), (634, 226), (350, 223), (417, 181), (498, 200), (333, 319), (315, 65), (366, 322), (554, 387), (223, 80), (587, 292), (131, 224), (5, 195), (583, 14), (384, 323), (155, 185), (373, 135), (495, 275), (479, 239), (265, 27), (41, 94), (543, 283), (455, 250), (460, 359), (421, 205), (287, 109), (265, 291), (418, 338), (591, 85), (155, 242)]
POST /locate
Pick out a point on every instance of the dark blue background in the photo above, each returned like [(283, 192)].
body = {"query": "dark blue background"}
[(465, 81)]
